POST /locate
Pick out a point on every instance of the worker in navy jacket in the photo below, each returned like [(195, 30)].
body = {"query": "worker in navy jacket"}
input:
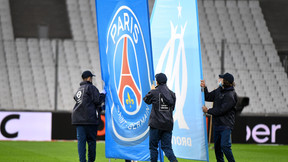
[(161, 118), (224, 100), (86, 116)]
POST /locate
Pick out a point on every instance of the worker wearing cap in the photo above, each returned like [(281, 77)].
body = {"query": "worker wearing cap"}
[(161, 118), (224, 100), (86, 116)]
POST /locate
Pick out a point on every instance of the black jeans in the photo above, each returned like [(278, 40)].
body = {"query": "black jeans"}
[(87, 133), (166, 146), (222, 140)]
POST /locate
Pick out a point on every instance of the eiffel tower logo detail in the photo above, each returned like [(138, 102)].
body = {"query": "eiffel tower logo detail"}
[(126, 78)]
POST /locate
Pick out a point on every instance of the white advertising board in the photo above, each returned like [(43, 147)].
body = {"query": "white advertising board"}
[(28, 126)]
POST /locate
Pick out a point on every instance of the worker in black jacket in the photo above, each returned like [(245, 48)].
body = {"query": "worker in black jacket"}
[(86, 116), (161, 118), (224, 100)]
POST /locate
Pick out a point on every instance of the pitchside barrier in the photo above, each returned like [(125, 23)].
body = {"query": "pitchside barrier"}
[(47, 126), (40, 126), (257, 130)]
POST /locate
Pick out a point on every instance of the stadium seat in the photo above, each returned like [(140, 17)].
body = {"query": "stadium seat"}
[(26, 75), (13, 69), (40, 80), (6, 100), (5, 20)]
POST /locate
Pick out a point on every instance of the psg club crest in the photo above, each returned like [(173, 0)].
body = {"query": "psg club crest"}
[(129, 76)]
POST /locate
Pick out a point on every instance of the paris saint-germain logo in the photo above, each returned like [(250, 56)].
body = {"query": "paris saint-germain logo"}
[(129, 73)]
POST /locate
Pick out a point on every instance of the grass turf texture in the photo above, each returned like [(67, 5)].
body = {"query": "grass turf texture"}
[(16, 151)]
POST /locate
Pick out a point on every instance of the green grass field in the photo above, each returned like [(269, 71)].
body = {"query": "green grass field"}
[(15, 151)]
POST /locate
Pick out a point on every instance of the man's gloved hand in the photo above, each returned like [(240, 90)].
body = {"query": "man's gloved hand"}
[(103, 91)]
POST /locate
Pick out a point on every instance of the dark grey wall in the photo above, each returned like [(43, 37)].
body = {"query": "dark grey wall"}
[(29, 15)]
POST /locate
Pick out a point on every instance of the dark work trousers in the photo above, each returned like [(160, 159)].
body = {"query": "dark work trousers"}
[(87, 133), (165, 137), (222, 143)]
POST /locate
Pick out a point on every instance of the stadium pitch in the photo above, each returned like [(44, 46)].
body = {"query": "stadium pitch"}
[(58, 151)]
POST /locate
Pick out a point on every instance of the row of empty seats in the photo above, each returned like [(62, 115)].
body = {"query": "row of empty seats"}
[(249, 52), (28, 72), (28, 65)]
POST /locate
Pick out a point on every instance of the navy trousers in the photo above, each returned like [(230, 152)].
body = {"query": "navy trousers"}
[(222, 140), (87, 133), (165, 137)]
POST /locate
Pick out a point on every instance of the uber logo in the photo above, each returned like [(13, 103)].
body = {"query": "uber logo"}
[(3, 126), (261, 133)]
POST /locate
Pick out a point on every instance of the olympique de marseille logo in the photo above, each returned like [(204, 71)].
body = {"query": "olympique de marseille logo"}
[(173, 63), (130, 75)]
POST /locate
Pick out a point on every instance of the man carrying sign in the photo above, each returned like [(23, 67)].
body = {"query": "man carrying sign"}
[(161, 118)]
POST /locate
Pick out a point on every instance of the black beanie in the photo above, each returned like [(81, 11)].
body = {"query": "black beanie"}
[(161, 78)]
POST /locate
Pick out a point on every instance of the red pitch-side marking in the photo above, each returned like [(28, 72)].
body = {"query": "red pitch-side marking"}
[(126, 76)]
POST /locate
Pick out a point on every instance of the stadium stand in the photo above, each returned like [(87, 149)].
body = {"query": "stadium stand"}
[(28, 64), (251, 54)]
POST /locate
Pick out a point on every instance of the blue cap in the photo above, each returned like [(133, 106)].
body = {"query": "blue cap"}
[(227, 76), (87, 74)]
